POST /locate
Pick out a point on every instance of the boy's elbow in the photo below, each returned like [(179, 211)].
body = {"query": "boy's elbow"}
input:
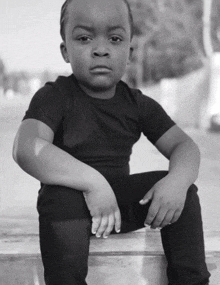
[(18, 152), (15, 151)]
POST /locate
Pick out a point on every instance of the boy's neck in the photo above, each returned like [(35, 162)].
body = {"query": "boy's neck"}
[(104, 94)]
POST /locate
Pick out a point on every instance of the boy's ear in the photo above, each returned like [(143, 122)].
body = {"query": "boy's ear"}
[(64, 52)]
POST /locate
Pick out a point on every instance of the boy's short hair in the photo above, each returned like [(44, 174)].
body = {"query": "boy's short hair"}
[(63, 18)]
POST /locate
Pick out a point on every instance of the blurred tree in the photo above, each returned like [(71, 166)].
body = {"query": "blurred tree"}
[(2, 67), (168, 37), (207, 38), (14, 81), (215, 25), (2, 73)]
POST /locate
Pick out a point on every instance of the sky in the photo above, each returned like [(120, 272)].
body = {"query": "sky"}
[(29, 35)]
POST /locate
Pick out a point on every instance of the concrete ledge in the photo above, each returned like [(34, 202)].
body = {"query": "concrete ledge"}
[(133, 258)]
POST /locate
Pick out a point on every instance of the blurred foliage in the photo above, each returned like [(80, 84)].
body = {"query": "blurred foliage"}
[(24, 82), (14, 79), (168, 43), (173, 36), (2, 73), (216, 25)]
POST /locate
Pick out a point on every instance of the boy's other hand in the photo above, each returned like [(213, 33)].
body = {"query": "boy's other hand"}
[(103, 207), (167, 201)]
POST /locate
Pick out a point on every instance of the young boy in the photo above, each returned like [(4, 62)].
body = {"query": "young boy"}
[(76, 139)]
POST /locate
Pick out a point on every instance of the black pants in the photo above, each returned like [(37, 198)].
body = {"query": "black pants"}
[(65, 229)]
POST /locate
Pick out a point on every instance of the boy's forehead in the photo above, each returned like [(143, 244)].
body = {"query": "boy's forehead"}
[(103, 12)]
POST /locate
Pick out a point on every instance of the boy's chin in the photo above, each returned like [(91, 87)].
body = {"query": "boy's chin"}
[(101, 86)]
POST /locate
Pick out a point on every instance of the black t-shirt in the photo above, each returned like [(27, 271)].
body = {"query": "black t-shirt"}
[(98, 132)]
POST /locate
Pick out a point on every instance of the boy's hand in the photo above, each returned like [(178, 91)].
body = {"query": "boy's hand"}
[(103, 207), (168, 199)]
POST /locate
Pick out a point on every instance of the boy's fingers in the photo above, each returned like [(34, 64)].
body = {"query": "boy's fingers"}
[(117, 221), (167, 219), (95, 224), (103, 225), (159, 218), (152, 212), (111, 222), (176, 216), (147, 198)]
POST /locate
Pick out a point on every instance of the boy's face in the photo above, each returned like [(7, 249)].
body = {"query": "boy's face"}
[(97, 42)]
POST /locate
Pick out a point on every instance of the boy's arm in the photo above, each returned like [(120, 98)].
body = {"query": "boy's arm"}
[(35, 154), (169, 194), (183, 155)]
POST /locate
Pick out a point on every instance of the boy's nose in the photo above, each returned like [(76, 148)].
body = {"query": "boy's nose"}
[(101, 50), (100, 54)]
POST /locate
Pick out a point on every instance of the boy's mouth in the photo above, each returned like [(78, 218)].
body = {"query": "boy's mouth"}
[(100, 69)]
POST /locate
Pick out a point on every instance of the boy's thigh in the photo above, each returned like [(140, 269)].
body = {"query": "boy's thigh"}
[(132, 188), (129, 191), (59, 203)]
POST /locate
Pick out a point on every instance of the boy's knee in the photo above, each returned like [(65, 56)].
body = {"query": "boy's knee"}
[(192, 195), (193, 188), (192, 202)]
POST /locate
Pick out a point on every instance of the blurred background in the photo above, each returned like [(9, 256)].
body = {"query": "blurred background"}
[(176, 62)]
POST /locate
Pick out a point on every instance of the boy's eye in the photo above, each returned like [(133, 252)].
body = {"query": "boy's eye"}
[(116, 39), (84, 39)]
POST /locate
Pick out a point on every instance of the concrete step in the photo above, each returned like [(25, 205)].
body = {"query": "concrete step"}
[(133, 258)]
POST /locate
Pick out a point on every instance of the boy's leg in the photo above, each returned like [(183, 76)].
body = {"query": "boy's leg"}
[(64, 236), (183, 244), (182, 241), (64, 249)]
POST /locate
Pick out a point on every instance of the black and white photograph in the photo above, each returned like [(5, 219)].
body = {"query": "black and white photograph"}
[(110, 142)]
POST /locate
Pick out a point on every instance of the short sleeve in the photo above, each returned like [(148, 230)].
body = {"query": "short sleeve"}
[(46, 106), (153, 118)]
